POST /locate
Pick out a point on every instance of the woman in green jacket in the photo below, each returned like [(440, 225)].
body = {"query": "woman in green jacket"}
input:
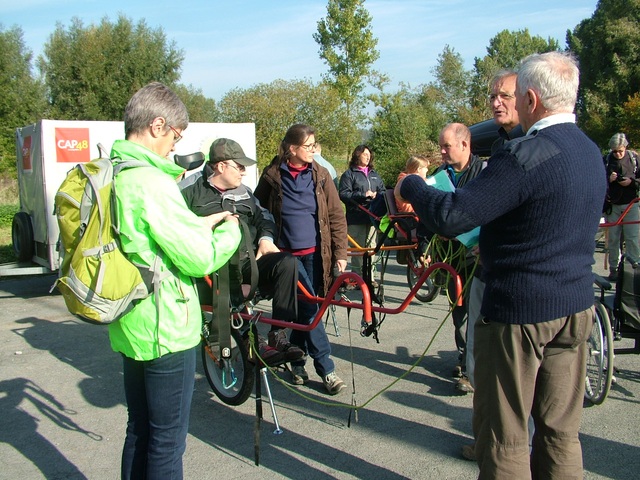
[(159, 335)]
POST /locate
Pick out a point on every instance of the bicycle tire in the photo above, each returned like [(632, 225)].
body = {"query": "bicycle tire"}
[(243, 369), (599, 357), (428, 291)]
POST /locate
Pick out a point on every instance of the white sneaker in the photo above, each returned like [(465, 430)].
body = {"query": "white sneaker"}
[(333, 383)]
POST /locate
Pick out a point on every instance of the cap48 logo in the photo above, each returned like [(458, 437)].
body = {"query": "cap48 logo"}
[(72, 145)]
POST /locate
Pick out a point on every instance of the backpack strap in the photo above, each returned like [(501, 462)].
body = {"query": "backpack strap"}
[(634, 156), (222, 312), (222, 295), (247, 245), (101, 248)]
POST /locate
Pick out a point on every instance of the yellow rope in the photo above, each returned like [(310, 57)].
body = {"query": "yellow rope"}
[(344, 405), (454, 254), (443, 251)]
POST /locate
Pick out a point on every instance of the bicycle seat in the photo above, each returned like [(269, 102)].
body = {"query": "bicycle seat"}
[(189, 162)]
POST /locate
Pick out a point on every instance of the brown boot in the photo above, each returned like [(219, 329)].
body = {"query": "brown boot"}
[(269, 355), (278, 340)]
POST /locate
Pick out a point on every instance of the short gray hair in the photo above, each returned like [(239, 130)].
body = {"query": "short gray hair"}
[(501, 75), (152, 101), (617, 141), (554, 76)]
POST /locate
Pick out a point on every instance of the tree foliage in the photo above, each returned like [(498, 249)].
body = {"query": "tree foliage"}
[(22, 100), (452, 84), (630, 119), (348, 47), (200, 108), (608, 47), (91, 72), (407, 122), (275, 106)]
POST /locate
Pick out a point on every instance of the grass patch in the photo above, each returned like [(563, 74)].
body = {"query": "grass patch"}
[(6, 214), (6, 252), (9, 193), (9, 206)]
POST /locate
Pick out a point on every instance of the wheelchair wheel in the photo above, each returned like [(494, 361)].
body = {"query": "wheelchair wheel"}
[(428, 291), (232, 385), (599, 358)]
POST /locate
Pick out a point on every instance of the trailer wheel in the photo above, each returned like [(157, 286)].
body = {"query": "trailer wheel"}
[(22, 236)]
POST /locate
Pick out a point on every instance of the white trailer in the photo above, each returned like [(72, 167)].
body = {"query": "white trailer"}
[(47, 150)]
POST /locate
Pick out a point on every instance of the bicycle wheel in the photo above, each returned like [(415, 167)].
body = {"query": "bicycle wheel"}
[(428, 291), (599, 358), (234, 384)]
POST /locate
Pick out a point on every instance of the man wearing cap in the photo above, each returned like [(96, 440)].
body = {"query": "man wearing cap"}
[(217, 188)]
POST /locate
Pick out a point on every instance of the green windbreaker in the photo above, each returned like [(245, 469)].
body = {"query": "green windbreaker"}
[(154, 217)]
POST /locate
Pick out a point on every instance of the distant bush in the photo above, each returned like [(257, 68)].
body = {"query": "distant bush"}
[(6, 214)]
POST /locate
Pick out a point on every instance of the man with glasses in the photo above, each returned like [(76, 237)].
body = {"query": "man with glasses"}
[(622, 175), (538, 222), (218, 188), (502, 101)]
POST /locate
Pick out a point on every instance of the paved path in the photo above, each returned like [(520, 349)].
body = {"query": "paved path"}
[(62, 413)]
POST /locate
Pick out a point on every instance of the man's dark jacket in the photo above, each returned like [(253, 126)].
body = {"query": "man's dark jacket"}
[(204, 199)]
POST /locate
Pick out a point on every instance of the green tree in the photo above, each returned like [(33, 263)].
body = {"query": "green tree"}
[(274, 107), (22, 101), (200, 108), (406, 122), (91, 72), (505, 51), (630, 119), (608, 48), (348, 47), (452, 84)]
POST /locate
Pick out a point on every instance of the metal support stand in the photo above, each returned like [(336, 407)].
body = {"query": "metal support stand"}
[(331, 312), (265, 380)]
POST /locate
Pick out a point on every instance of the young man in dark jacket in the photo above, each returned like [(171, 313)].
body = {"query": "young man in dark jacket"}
[(461, 166), (218, 188)]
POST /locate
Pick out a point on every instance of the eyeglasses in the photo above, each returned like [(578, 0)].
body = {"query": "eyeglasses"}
[(309, 148), (239, 168), (618, 150), (503, 97), (176, 136)]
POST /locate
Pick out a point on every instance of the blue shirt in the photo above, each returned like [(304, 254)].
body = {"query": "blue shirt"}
[(299, 210)]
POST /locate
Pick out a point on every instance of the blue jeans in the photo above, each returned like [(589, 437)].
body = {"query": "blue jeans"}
[(158, 394), (314, 342)]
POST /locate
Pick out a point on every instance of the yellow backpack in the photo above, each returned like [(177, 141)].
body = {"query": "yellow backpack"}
[(96, 279)]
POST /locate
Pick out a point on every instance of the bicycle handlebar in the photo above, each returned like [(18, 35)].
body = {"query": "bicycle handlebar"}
[(366, 305)]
